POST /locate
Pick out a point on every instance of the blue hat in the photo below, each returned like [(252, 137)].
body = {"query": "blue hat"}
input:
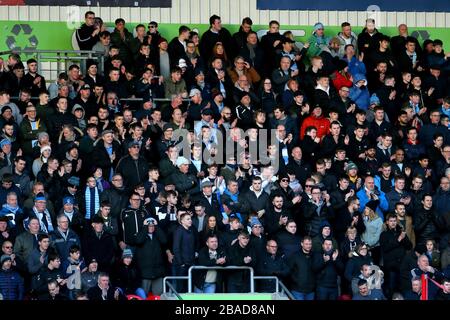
[(5, 142), (4, 258), (318, 26), (74, 181), (375, 100), (255, 222), (68, 200), (127, 253), (39, 197)]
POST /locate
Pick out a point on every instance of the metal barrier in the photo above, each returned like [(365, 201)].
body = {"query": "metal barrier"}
[(278, 283), (63, 58), (123, 99), (252, 282)]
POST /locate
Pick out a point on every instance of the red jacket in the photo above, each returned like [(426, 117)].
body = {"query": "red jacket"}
[(322, 125), (341, 80)]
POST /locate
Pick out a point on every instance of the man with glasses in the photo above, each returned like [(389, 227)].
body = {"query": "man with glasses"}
[(344, 105), (64, 237), (153, 34), (87, 34), (433, 127), (317, 211), (271, 263), (132, 221), (242, 67)]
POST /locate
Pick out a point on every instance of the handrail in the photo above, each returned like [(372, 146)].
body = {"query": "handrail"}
[(165, 282), (48, 51), (122, 99), (286, 290), (278, 283), (252, 284)]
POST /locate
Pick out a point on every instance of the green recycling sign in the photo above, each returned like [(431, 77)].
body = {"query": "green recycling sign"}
[(21, 37), (46, 35)]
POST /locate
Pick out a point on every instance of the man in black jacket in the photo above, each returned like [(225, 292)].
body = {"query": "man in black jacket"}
[(302, 275), (256, 197), (104, 291), (301, 169), (99, 245), (150, 259), (32, 80), (210, 256), (185, 244), (209, 200), (116, 195), (133, 167), (327, 265), (426, 221), (177, 47), (271, 263), (394, 243), (240, 254), (132, 219), (87, 35), (215, 34)]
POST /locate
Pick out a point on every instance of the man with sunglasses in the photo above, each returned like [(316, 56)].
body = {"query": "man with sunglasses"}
[(153, 34)]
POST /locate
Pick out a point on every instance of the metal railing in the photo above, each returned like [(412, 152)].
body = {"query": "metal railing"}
[(63, 58), (278, 283), (123, 99), (252, 274)]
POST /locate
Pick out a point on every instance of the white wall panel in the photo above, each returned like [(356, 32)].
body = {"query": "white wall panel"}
[(23, 13), (313, 17), (231, 12), (135, 14), (284, 16), (293, 18), (304, 17), (175, 11), (43, 13), (430, 18), (155, 14), (14, 12), (440, 19), (323, 17)]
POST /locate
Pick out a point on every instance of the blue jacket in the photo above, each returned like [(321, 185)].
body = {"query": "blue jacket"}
[(18, 216), (62, 245), (11, 285), (363, 199), (360, 96), (355, 66)]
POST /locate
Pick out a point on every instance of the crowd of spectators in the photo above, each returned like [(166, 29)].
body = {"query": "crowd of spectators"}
[(347, 196)]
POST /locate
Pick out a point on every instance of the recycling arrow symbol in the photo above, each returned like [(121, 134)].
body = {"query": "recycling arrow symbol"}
[(21, 33), (421, 34)]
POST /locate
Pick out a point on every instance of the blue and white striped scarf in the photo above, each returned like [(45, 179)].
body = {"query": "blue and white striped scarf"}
[(87, 196)]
